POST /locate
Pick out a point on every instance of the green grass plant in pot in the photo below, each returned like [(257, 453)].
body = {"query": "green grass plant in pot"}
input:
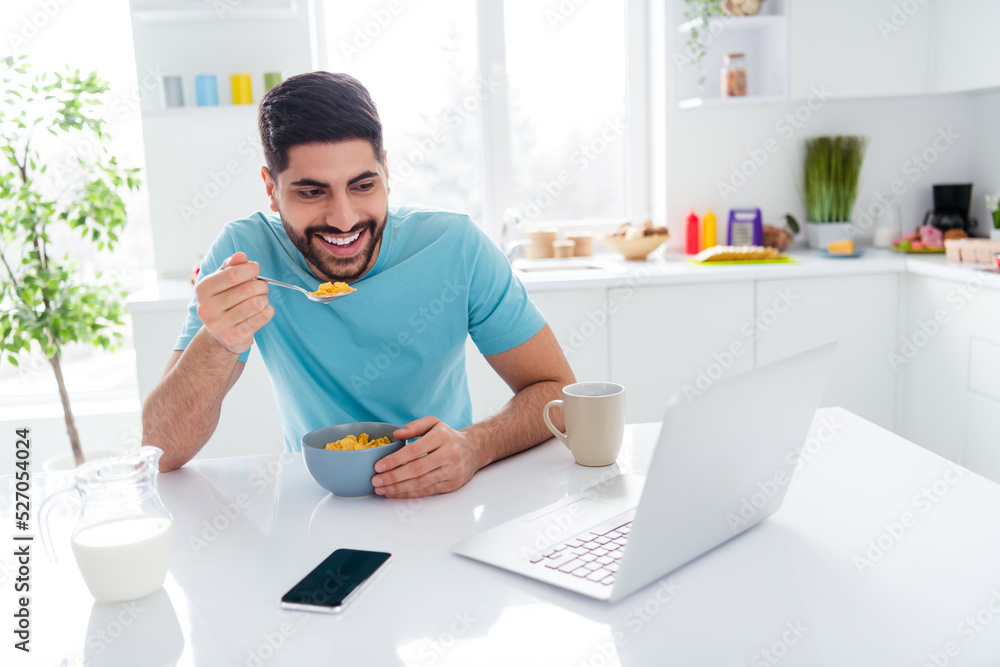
[(832, 170), (45, 302)]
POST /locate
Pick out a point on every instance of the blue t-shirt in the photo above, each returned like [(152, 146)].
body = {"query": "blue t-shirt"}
[(394, 350)]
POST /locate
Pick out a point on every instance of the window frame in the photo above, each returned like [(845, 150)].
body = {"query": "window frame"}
[(498, 165)]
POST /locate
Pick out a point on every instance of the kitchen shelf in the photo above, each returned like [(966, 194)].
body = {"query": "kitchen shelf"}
[(182, 11), (763, 38), (718, 25), (216, 111), (749, 100)]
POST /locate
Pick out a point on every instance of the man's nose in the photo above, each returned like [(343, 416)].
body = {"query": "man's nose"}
[(342, 214)]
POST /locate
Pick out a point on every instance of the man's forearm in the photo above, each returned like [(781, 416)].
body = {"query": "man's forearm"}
[(181, 413), (518, 425)]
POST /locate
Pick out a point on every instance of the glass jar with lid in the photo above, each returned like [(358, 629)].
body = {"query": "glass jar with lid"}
[(734, 75)]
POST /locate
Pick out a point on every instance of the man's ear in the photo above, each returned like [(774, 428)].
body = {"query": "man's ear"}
[(269, 187)]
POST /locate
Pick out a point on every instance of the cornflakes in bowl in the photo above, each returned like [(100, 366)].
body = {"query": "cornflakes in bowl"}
[(347, 471)]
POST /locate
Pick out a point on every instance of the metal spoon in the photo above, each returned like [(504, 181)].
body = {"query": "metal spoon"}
[(309, 295)]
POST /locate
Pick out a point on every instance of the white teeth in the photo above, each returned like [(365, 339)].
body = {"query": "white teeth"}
[(339, 241)]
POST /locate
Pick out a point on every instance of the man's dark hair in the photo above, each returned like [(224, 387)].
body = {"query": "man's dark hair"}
[(313, 108)]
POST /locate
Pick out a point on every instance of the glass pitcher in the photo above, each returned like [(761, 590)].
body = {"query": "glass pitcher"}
[(123, 532)]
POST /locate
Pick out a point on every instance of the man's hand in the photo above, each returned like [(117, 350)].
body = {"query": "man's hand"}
[(232, 304), (451, 460)]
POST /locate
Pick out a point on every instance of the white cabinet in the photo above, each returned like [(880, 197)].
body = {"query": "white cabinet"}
[(204, 162), (578, 319), (951, 334), (859, 48), (859, 312), (678, 339)]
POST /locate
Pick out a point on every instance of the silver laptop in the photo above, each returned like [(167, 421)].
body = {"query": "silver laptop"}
[(722, 464)]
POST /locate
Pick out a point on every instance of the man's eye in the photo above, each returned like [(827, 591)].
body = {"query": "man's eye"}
[(310, 193), (364, 187)]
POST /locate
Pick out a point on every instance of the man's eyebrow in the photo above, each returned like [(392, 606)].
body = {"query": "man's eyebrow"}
[(310, 181), (361, 177)]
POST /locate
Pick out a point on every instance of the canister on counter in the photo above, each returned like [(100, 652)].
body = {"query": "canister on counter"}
[(563, 248), (541, 243), (583, 243), (734, 75)]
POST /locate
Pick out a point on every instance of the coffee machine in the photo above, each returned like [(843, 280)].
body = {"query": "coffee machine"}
[(951, 208)]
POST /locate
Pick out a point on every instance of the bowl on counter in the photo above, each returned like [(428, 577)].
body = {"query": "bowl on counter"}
[(347, 473), (635, 248)]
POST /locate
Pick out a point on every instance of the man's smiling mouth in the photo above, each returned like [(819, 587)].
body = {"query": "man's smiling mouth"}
[(336, 240)]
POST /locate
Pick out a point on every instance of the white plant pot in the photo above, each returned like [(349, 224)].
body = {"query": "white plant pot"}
[(821, 234), (995, 234)]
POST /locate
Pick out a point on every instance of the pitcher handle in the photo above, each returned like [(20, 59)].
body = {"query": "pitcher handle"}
[(45, 532), (548, 422)]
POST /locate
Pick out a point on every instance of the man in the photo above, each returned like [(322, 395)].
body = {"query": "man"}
[(393, 351)]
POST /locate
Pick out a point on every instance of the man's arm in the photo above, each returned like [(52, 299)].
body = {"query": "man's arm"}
[(182, 411), (536, 371)]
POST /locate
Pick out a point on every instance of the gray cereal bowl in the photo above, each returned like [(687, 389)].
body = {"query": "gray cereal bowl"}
[(347, 474)]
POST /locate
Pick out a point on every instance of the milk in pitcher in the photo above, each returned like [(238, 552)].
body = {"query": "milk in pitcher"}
[(125, 558)]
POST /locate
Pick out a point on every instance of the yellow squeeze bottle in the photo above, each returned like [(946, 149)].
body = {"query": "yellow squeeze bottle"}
[(708, 230)]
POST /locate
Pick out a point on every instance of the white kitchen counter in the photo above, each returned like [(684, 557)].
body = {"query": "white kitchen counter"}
[(675, 269), (882, 554)]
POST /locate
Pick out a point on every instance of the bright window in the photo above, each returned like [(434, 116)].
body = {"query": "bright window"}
[(490, 106)]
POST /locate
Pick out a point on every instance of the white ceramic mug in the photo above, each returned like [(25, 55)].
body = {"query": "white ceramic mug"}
[(595, 421)]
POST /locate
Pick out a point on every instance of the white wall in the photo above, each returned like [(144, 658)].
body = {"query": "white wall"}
[(709, 147), (984, 112)]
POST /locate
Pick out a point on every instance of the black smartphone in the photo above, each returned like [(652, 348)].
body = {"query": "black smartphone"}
[(335, 581)]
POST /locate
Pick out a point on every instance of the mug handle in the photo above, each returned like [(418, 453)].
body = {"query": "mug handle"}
[(548, 422)]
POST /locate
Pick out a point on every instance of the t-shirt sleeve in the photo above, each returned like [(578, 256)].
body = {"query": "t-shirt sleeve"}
[(501, 315), (222, 248)]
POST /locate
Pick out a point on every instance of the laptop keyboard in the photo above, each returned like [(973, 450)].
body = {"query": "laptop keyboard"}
[(592, 555)]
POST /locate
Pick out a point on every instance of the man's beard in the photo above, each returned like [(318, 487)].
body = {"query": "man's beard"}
[(331, 267)]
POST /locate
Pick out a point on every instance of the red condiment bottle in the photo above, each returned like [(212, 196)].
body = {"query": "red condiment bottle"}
[(692, 234)]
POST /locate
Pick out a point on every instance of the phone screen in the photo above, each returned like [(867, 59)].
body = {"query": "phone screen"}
[(331, 584)]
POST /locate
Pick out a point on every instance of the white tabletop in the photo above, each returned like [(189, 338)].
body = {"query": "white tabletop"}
[(882, 554)]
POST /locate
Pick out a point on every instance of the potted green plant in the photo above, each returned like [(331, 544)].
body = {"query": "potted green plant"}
[(993, 208), (46, 303), (698, 15), (832, 170)]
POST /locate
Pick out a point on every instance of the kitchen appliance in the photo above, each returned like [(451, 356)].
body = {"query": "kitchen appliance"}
[(745, 227), (951, 208)]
